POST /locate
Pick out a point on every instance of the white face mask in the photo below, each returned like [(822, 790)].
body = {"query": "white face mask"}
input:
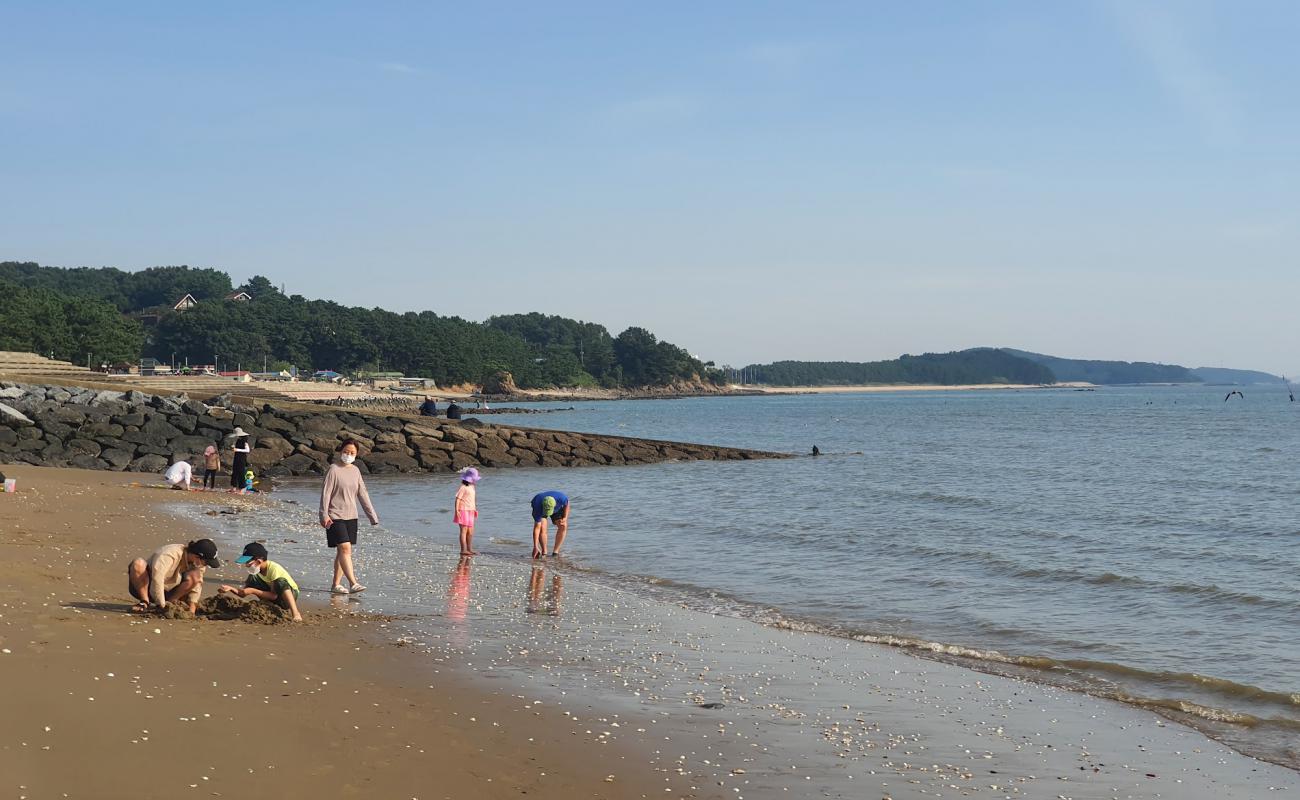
[(253, 569), (347, 458)]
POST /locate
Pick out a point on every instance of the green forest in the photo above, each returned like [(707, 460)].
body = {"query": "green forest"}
[(106, 314), (1109, 372), (979, 365)]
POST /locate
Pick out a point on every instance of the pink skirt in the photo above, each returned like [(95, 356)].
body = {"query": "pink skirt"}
[(465, 518)]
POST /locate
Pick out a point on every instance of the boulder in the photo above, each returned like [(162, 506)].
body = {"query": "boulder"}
[(134, 418), (271, 441), (108, 396), (276, 424), (12, 393), (85, 461), (87, 446), (321, 425), (186, 422), (8, 437), (117, 458), (150, 463), (300, 464), (92, 430), (390, 462), (194, 408), (501, 382), (159, 428), (454, 433), (496, 458), (190, 445)]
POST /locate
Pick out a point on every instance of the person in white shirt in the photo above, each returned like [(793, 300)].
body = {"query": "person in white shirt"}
[(179, 474)]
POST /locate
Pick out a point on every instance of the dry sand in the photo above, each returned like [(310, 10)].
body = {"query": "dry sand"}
[(102, 703)]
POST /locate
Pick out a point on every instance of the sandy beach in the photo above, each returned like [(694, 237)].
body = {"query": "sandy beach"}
[(506, 680), (101, 703)]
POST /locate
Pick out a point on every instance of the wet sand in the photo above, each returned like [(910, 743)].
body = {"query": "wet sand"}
[(101, 703)]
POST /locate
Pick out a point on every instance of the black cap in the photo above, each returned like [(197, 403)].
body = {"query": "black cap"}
[(253, 550), (205, 549)]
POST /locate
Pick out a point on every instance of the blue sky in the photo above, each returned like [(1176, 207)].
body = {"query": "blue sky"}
[(753, 181)]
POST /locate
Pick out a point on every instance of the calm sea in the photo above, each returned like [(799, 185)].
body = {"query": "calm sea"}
[(1138, 543)]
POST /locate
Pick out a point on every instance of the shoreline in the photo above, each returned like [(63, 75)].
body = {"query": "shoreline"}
[(556, 630), (578, 681), (737, 390)]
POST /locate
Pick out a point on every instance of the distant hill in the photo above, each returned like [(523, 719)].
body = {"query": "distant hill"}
[(976, 366), (1236, 377), (1109, 372)]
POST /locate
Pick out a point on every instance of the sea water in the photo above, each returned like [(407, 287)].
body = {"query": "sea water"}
[(1136, 543)]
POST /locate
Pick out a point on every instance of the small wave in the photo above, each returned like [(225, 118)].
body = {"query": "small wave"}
[(960, 501)]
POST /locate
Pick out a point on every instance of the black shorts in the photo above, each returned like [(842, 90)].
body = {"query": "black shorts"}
[(343, 530)]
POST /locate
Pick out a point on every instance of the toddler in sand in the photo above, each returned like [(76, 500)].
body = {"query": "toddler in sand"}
[(467, 510)]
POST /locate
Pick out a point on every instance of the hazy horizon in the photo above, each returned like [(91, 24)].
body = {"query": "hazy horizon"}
[(754, 183)]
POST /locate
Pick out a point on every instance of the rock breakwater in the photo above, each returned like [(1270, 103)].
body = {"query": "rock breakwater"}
[(62, 426)]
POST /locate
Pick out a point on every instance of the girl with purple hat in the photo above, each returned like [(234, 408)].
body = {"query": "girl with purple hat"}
[(467, 510)]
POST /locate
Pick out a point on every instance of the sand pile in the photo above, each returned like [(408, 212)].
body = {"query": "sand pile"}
[(229, 607)]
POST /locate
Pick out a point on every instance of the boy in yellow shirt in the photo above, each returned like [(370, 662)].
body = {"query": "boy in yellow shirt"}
[(267, 580)]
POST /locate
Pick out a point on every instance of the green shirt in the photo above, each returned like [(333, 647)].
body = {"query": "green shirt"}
[(273, 578)]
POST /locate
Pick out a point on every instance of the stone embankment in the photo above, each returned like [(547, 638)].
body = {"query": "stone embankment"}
[(102, 429)]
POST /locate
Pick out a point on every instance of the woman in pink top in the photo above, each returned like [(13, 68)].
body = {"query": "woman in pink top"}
[(467, 510), (338, 514)]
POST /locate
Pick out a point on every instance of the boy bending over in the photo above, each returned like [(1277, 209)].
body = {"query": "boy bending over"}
[(267, 580)]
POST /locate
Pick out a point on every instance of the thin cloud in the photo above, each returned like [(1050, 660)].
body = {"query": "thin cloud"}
[(653, 108), (1163, 40)]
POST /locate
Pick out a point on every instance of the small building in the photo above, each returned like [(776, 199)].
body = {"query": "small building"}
[(152, 366), (418, 383), (185, 302), (239, 297), (243, 376)]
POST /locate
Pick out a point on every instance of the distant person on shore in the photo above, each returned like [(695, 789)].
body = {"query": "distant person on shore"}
[(816, 450), (267, 580), (240, 463), (339, 494), (172, 572), (179, 474), (453, 410), (211, 466), (554, 506), (429, 408), (467, 510)]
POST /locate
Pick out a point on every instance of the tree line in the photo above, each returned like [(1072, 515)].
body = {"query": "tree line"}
[(975, 366), (122, 316)]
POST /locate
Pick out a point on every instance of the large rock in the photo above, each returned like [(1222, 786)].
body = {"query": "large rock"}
[(86, 446), (8, 437), (150, 463), (159, 428), (276, 424), (321, 425), (117, 458), (280, 446), (380, 463), (108, 396), (190, 445), (455, 433)]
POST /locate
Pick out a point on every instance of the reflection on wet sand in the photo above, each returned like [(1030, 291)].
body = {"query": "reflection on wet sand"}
[(543, 599), (458, 591)]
